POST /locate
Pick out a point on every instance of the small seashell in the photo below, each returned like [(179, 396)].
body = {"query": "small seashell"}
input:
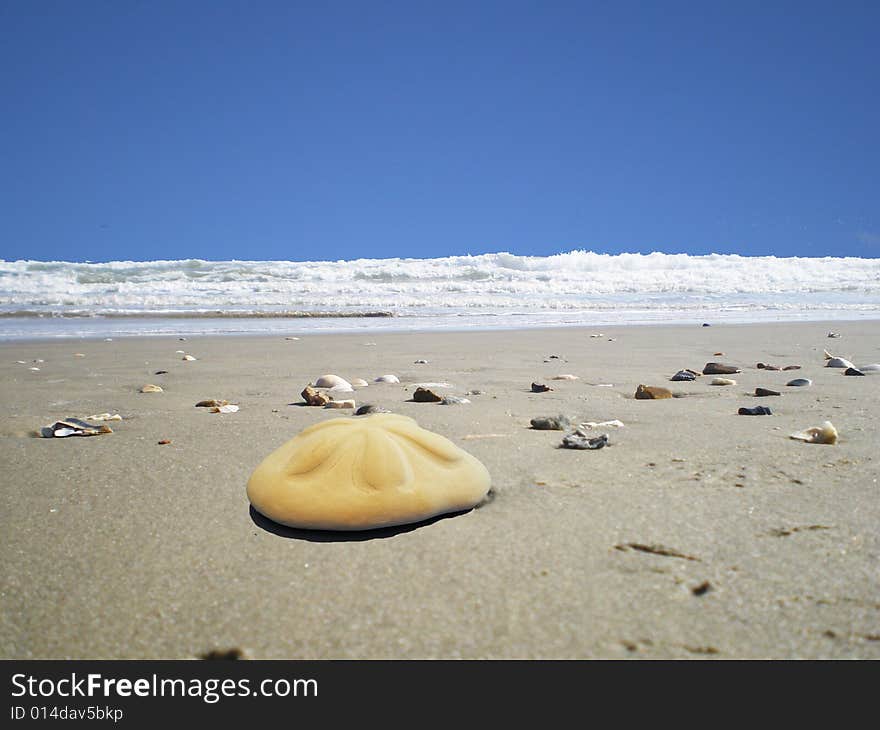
[(73, 427), (540, 388), (792, 367), (369, 408), (838, 362), (580, 440), (426, 395), (565, 376), (21, 362), (340, 404), (291, 338), (104, 417), (717, 354), (332, 381), (756, 411), (359, 383), (161, 372), (824, 434), (188, 358), (35, 369), (552, 423), (228, 408), (799, 383), (387, 379), (722, 381), (433, 385), (684, 375), (764, 366), (601, 424), (833, 334), (853, 371), (180, 352), (150, 388), (717, 368), (314, 397), (650, 392), (78, 354), (761, 392), (453, 400), (420, 362), (211, 403)]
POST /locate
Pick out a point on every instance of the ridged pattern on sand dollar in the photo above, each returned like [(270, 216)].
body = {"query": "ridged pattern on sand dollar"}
[(363, 473)]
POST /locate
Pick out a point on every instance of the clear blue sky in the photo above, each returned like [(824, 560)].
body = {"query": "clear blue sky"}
[(311, 130)]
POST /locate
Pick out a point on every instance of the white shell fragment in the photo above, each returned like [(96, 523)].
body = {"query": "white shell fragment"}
[(824, 434), (150, 388), (180, 352), (228, 408), (340, 404), (722, 381), (359, 383), (565, 376), (188, 358), (799, 383), (387, 379), (104, 417), (73, 427), (838, 362), (332, 381), (601, 424)]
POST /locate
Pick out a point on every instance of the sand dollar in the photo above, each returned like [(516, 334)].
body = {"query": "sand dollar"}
[(366, 472)]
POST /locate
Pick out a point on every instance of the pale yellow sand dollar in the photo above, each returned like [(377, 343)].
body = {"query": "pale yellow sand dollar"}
[(366, 472)]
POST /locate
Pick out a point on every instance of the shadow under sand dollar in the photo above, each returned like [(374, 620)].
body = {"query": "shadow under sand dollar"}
[(377, 533)]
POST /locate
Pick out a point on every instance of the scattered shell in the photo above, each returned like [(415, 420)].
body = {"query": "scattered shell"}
[(78, 354), (150, 388), (426, 395), (188, 358), (764, 366), (684, 375), (161, 372), (433, 385), (73, 427), (453, 400), (211, 403), (363, 473), (722, 381), (332, 381), (718, 354), (580, 440), (756, 411), (104, 417), (21, 362), (792, 367), (853, 371), (601, 424), (651, 392), (540, 388), (228, 408), (717, 368), (566, 376), (762, 392), (369, 408), (799, 382), (833, 334), (552, 423), (597, 335), (474, 392), (164, 442), (838, 362), (387, 379), (824, 434), (180, 352), (359, 383), (340, 404), (420, 362), (314, 397), (291, 338), (35, 369)]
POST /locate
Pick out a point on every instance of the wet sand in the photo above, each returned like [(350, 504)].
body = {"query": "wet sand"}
[(696, 533)]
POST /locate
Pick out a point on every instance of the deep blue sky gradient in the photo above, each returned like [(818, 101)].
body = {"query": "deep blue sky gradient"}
[(304, 130)]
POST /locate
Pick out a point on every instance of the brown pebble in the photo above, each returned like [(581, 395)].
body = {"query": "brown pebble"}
[(540, 388), (314, 397), (717, 354), (717, 368), (651, 392), (426, 395), (702, 589), (164, 442)]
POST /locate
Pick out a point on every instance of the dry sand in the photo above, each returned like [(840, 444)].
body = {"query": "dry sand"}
[(116, 547)]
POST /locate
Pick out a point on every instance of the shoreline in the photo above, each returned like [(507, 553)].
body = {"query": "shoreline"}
[(696, 533)]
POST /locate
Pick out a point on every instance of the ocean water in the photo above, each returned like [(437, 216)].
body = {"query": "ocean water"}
[(499, 290)]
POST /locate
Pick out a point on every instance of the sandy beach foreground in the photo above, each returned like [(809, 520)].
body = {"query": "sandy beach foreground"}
[(696, 533)]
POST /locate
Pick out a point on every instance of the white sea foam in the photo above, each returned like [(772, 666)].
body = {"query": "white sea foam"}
[(500, 289)]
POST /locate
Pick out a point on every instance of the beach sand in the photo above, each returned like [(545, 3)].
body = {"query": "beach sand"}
[(696, 533)]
